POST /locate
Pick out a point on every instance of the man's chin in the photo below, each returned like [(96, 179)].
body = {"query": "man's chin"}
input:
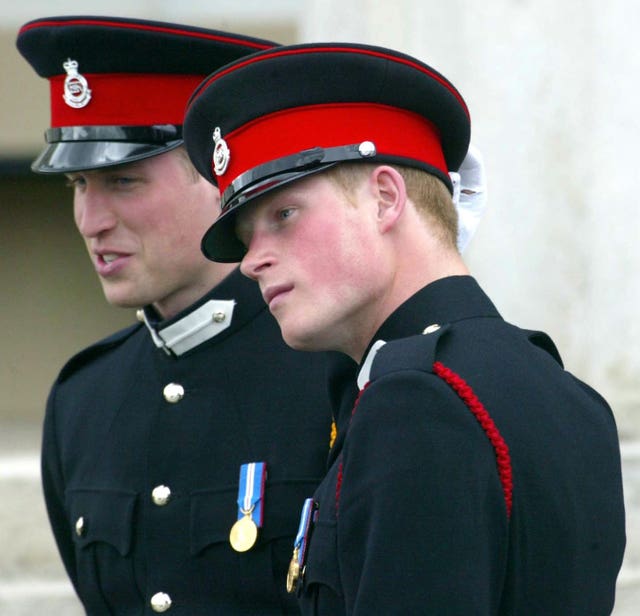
[(120, 299), (303, 340)]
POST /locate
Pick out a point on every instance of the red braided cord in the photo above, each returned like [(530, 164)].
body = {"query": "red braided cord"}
[(467, 395), (338, 484)]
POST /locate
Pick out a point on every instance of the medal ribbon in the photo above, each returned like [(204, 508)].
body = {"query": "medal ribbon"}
[(302, 538), (251, 491)]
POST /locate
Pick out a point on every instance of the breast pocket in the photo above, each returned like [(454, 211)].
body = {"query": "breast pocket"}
[(213, 512), (102, 527), (257, 576)]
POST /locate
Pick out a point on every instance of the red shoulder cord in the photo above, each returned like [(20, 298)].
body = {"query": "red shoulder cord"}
[(468, 396)]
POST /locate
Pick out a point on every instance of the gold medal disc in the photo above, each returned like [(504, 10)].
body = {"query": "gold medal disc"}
[(243, 534), (293, 574)]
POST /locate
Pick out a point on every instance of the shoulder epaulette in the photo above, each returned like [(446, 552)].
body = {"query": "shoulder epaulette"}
[(544, 342), (413, 353), (86, 355)]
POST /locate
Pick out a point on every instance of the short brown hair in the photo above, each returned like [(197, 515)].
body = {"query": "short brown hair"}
[(429, 194)]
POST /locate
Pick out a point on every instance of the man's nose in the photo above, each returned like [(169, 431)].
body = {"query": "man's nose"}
[(93, 214), (259, 256)]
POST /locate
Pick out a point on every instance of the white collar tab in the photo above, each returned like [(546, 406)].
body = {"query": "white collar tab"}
[(200, 325), (365, 371)]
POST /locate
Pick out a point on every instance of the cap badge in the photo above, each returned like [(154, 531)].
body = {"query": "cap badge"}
[(221, 153), (76, 89)]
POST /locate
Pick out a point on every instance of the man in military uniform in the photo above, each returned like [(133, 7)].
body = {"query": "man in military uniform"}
[(176, 452), (473, 475)]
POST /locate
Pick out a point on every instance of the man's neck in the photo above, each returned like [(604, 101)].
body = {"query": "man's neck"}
[(180, 301)]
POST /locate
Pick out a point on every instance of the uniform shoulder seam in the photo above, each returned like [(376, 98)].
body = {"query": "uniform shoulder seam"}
[(96, 349)]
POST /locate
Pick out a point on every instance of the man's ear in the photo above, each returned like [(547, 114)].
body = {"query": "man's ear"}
[(391, 194)]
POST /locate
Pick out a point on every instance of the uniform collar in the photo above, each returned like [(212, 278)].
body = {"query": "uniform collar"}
[(223, 310), (443, 301)]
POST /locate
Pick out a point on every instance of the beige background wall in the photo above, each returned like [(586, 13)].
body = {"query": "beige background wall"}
[(52, 304)]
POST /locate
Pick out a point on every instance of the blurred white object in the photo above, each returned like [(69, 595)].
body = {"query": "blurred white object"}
[(469, 195)]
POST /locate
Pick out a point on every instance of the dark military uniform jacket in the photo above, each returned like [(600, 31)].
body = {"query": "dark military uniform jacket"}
[(141, 480), (473, 475)]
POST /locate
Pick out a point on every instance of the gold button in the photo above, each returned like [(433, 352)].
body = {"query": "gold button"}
[(431, 328), (160, 602), (173, 392), (219, 316), (140, 315), (80, 526), (161, 495)]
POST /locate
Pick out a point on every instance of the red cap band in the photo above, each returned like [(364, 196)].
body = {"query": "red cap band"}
[(395, 132), (125, 100)]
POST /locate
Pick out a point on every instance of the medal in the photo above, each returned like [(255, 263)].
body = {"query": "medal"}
[(244, 532), (293, 574), (298, 560)]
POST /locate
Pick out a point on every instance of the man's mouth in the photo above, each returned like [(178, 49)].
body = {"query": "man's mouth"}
[(109, 263), (272, 292)]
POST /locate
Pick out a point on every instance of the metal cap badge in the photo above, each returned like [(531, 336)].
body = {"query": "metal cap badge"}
[(221, 153), (76, 89)]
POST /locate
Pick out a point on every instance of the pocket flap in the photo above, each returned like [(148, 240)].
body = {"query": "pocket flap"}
[(102, 516), (213, 512), (322, 557)]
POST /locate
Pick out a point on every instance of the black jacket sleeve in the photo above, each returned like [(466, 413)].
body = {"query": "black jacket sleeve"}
[(54, 490)]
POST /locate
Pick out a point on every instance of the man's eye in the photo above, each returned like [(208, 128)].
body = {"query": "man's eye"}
[(122, 180), (285, 213), (75, 182)]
